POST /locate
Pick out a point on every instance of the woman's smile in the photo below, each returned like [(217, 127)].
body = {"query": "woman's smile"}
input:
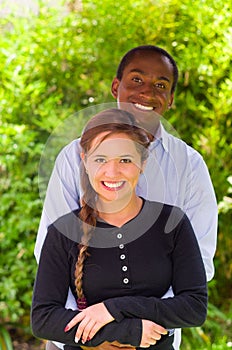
[(113, 185)]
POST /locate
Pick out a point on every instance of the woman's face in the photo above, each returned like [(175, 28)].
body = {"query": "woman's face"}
[(113, 167)]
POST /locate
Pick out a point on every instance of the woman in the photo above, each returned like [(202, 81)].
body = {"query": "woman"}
[(130, 252)]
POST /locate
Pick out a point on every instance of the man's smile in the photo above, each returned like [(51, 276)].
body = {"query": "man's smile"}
[(143, 108)]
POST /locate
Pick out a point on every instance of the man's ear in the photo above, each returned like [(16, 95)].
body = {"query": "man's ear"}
[(171, 100), (114, 87)]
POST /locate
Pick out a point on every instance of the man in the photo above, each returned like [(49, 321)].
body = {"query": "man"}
[(175, 173)]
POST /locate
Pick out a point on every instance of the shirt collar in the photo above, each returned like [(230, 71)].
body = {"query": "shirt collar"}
[(161, 136)]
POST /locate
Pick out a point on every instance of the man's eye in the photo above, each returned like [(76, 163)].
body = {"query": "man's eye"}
[(160, 85), (137, 79)]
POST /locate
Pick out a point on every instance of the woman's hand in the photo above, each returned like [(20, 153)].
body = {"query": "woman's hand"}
[(91, 319), (151, 332)]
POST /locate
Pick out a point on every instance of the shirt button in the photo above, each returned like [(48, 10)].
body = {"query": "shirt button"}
[(121, 246), (124, 268), (125, 280), (119, 235), (122, 256)]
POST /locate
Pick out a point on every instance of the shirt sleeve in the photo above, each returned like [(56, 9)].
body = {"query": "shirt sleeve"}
[(200, 205), (188, 307), (48, 314), (62, 194)]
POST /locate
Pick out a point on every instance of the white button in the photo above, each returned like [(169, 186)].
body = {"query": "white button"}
[(125, 280), (122, 256), (124, 268), (121, 246), (119, 235)]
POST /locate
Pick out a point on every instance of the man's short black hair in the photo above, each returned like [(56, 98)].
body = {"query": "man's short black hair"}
[(130, 55)]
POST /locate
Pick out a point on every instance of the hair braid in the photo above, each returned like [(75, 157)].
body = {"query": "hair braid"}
[(88, 215)]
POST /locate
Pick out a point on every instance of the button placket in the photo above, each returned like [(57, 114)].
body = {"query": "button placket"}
[(124, 261)]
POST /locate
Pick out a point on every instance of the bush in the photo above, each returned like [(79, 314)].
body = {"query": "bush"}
[(53, 65)]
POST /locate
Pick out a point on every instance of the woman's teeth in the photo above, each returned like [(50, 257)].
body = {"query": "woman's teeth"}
[(144, 108), (113, 184)]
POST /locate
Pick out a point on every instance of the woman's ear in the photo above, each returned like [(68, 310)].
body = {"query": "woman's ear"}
[(83, 158), (143, 166), (82, 155)]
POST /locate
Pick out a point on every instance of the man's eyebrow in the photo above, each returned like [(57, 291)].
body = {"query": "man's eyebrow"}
[(137, 70), (164, 78)]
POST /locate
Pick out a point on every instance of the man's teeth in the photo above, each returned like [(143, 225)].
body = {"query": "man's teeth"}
[(113, 184), (144, 108)]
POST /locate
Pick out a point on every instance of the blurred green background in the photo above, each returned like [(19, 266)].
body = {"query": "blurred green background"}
[(54, 63)]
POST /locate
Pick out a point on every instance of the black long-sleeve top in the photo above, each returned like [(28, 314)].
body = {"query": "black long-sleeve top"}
[(129, 269)]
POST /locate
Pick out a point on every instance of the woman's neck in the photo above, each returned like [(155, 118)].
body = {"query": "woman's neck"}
[(118, 215)]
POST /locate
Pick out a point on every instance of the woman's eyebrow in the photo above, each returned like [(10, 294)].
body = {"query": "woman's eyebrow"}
[(118, 156), (99, 155), (127, 155)]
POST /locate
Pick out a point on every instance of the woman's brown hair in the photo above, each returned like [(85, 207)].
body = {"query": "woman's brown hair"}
[(111, 121)]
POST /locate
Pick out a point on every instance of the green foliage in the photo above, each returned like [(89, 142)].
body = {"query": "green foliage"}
[(211, 332), (5, 340), (19, 215), (54, 64)]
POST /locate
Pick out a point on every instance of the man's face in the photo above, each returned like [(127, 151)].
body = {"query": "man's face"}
[(145, 88)]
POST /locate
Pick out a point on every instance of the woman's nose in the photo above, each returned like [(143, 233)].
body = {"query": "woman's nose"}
[(111, 168)]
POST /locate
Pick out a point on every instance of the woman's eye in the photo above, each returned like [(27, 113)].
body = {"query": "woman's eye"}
[(125, 160), (100, 160)]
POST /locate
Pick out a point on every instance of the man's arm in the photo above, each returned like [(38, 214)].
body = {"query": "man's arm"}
[(201, 208), (62, 195)]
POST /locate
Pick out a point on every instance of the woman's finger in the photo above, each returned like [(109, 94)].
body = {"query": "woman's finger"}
[(74, 321), (86, 331), (80, 329), (94, 330)]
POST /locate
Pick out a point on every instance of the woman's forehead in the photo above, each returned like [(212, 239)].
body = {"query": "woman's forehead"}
[(113, 145)]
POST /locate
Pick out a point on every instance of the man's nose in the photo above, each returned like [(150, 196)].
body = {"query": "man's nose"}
[(148, 91)]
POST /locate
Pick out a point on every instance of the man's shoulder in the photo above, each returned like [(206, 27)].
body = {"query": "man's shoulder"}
[(162, 207), (170, 215), (178, 146), (74, 145), (70, 152)]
